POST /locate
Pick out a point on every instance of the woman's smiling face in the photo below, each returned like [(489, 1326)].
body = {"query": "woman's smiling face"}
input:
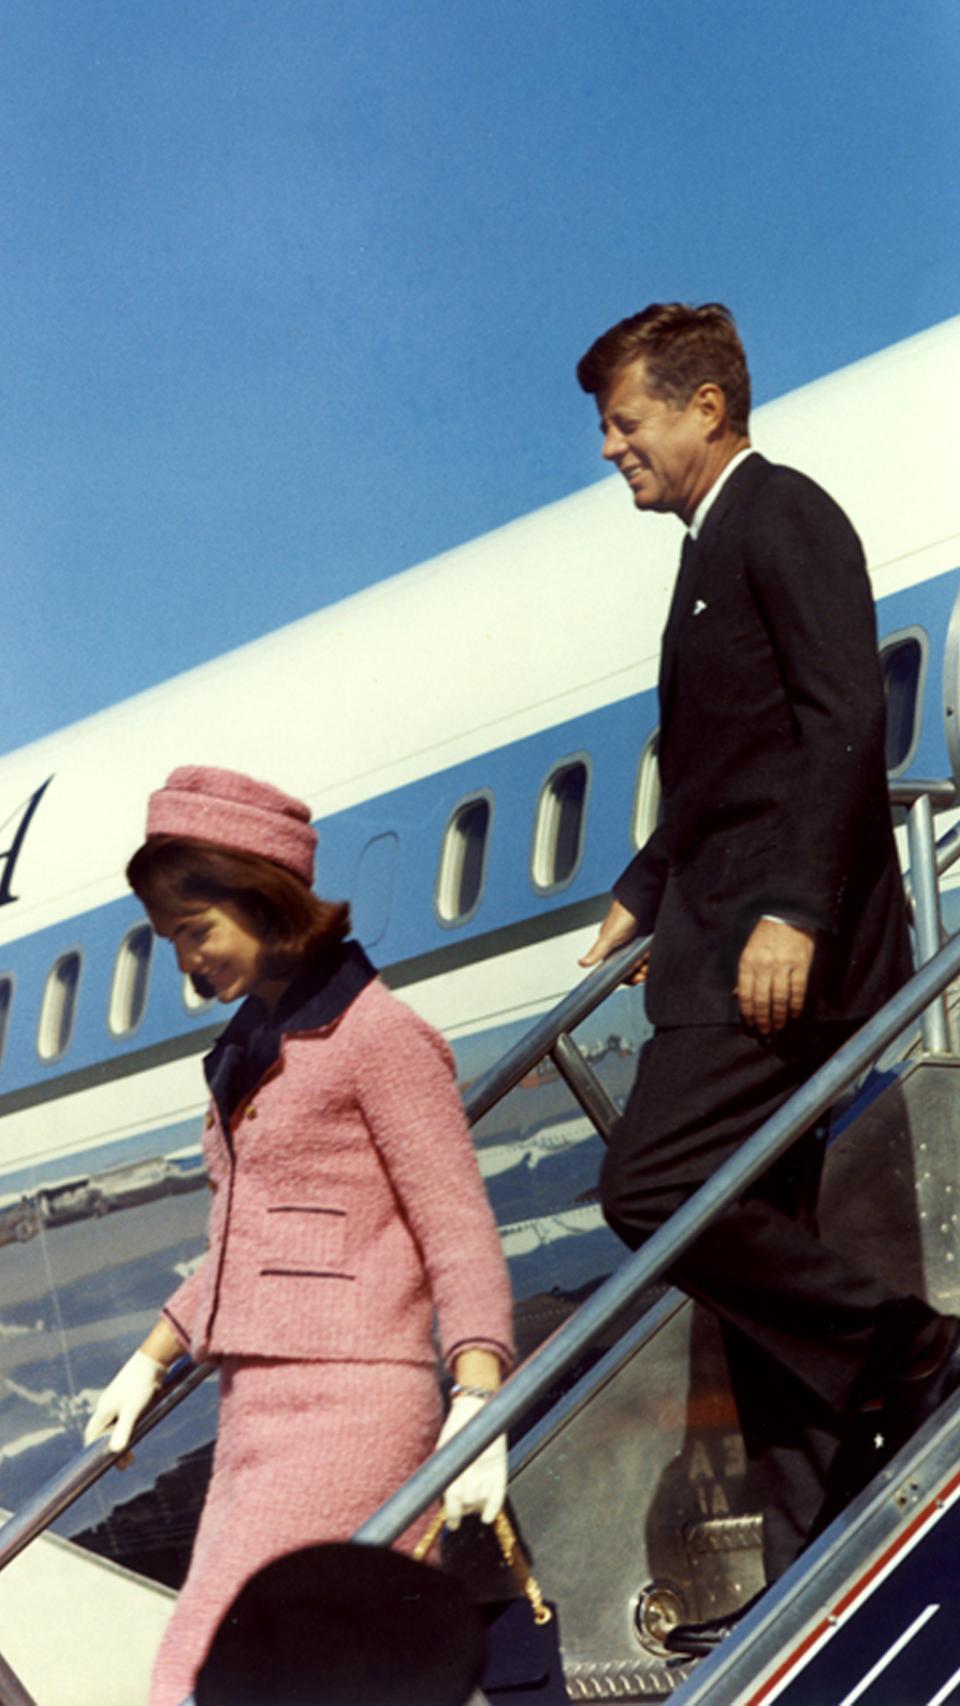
[(215, 943)]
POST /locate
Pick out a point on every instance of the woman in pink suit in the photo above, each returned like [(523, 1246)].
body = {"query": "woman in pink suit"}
[(349, 1221)]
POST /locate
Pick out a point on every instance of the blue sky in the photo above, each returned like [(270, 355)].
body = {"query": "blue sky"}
[(291, 291)]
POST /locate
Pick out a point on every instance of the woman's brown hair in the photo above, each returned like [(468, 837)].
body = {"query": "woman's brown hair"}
[(172, 871)]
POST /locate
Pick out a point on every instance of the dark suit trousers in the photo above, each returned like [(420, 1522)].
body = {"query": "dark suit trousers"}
[(808, 1335)]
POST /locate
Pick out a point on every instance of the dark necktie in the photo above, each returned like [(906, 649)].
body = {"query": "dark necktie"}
[(688, 559), (680, 602)]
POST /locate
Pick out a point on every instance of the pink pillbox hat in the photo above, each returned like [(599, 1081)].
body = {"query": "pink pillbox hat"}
[(232, 810)]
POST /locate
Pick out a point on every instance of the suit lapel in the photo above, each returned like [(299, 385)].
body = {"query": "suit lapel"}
[(679, 605), (694, 558)]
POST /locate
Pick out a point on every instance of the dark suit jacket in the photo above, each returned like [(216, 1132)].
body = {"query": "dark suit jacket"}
[(771, 759)]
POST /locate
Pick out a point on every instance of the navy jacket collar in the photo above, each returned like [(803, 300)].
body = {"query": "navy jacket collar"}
[(251, 1043), (322, 991)]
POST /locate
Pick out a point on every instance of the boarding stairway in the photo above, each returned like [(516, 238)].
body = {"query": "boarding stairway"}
[(629, 1489)]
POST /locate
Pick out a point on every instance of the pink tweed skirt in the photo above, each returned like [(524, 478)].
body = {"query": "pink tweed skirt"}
[(305, 1452)]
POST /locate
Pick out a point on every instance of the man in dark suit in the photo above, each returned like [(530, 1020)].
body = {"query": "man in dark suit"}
[(774, 894)]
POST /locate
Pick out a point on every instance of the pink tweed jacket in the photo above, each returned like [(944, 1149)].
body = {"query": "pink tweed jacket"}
[(348, 1212)]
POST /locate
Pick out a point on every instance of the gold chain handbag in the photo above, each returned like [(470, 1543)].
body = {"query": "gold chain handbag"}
[(513, 1556), (524, 1665)]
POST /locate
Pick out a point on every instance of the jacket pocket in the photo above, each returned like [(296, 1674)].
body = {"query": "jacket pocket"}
[(305, 1240)]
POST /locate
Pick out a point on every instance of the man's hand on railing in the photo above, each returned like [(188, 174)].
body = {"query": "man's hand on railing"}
[(618, 928), (122, 1403), (482, 1486)]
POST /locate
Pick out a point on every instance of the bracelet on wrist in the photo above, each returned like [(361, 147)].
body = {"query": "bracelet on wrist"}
[(459, 1391)]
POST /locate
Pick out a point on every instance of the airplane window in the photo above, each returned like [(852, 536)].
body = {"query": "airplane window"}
[(903, 660), (59, 1007), (6, 998), (374, 884), (561, 814), (131, 979), (463, 860), (647, 801)]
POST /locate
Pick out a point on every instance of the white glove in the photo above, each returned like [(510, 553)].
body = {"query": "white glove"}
[(482, 1486), (122, 1402)]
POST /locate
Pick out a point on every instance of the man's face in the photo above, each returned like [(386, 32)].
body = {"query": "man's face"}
[(660, 448)]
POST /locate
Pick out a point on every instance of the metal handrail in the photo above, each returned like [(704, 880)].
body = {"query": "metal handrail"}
[(640, 1270), (921, 796), (907, 790), (948, 850), (941, 794), (506, 1073), (63, 1488)]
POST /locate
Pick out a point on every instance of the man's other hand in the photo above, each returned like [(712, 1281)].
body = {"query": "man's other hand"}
[(618, 928), (773, 974)]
